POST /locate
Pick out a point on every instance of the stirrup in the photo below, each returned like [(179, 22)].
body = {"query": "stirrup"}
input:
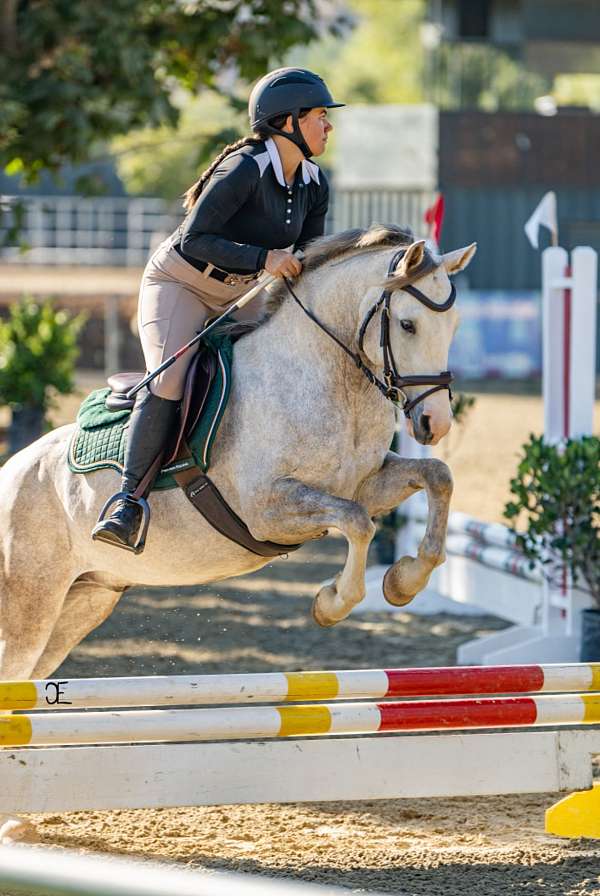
[(140, 543)]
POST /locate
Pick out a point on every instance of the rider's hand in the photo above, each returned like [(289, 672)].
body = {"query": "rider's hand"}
[(282, 263)]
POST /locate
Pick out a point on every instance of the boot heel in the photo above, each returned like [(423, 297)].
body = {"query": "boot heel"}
[(99, 534)]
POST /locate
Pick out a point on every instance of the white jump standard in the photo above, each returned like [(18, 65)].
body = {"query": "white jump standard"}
[(483, 567)]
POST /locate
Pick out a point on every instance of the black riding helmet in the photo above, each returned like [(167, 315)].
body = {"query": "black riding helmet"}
[(286, 91)]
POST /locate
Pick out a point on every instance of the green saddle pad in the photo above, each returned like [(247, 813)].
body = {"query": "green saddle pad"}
[(99, 441)]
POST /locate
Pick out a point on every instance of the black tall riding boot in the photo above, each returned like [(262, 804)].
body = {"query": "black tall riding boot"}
[(149, 425)]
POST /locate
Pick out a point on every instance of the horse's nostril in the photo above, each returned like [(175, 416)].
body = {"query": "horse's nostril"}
[(425, 423)]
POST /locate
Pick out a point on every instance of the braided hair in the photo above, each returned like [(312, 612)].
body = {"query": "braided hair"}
[(191, 195)]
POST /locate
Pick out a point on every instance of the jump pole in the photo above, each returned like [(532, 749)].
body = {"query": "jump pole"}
[(303, 720), (483, 559), (303, 753), (274, 687), (43, 871)]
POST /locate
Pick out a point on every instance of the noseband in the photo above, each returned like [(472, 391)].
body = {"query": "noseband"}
[(393, 383)]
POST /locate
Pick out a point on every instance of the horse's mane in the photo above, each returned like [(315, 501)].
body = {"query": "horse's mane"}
[(336, 245), (327, 248)]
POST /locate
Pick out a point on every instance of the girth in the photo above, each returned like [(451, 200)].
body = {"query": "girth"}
[(207, 499)]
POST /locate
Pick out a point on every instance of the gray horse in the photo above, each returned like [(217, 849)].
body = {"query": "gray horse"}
[(303, 447)]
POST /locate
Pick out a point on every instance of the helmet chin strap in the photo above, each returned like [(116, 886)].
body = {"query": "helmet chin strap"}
[(296, 135)]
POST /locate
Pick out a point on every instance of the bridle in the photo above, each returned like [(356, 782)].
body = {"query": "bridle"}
[(394, 383)]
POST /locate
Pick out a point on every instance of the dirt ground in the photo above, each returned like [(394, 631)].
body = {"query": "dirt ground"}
[(262, 623)]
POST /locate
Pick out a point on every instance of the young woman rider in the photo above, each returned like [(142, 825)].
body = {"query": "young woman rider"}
[(259, 201)]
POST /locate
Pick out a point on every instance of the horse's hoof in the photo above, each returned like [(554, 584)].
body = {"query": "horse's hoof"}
[(392, 587), (15, 830), (317, 614)]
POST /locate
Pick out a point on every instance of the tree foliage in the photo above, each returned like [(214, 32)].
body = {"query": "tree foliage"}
[(380, 60), (73, 73), (165, 161), (479, 76), (577, 90), (371, 55)]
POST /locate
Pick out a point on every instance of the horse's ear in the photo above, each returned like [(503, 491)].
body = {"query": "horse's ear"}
[(458, 260), (412, 258)]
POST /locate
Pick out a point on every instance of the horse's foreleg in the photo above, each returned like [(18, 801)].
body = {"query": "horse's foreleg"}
[(397, 479), (301, 512)]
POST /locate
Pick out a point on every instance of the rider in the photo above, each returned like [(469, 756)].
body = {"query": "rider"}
[(258, 201)]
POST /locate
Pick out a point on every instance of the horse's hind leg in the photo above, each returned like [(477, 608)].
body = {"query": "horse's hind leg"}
[(29, 607), (88, 603)]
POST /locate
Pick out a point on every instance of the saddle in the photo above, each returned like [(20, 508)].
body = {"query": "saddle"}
[(177, 458), (199, 378)]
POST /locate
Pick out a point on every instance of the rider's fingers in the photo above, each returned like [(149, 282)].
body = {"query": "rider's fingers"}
[(289, 267)]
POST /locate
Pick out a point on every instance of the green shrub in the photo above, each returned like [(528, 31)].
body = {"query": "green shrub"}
[(461, 405), (557, 492), (38, 349)]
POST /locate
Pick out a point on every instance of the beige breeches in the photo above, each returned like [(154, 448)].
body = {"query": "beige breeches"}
[(175, 301)]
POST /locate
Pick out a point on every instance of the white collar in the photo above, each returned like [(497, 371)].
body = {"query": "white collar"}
[(309, 169)]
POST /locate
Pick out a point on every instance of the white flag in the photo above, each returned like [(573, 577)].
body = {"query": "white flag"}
[(543, 216)]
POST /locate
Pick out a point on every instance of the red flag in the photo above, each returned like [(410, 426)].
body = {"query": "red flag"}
[(434, 217)]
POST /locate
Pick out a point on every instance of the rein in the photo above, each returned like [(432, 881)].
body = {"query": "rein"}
[(393, 383)]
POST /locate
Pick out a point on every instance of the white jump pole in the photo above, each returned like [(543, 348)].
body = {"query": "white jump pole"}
[(43, 871)]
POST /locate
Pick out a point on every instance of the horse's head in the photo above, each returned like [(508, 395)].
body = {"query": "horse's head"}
[(419, 324)]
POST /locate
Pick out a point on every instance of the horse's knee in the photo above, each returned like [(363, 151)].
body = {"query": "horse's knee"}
[(360, 526), (439, 476)]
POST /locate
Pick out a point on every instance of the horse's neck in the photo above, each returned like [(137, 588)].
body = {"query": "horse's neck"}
[(308, 356)]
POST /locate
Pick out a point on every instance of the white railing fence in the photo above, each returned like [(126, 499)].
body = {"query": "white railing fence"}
[(359, 208), (121, 231), (71, 230)]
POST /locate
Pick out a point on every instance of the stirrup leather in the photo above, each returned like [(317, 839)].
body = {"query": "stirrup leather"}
[(138, 547)]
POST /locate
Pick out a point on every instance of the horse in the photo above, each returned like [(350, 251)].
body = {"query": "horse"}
[(303, 447)]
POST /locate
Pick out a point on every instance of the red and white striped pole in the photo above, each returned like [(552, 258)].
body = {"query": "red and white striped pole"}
[(241, 723)]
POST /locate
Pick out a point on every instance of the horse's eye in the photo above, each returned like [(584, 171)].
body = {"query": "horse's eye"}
[(408, 326)]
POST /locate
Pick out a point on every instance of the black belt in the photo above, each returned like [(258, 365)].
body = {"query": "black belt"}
[(216, 274)]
